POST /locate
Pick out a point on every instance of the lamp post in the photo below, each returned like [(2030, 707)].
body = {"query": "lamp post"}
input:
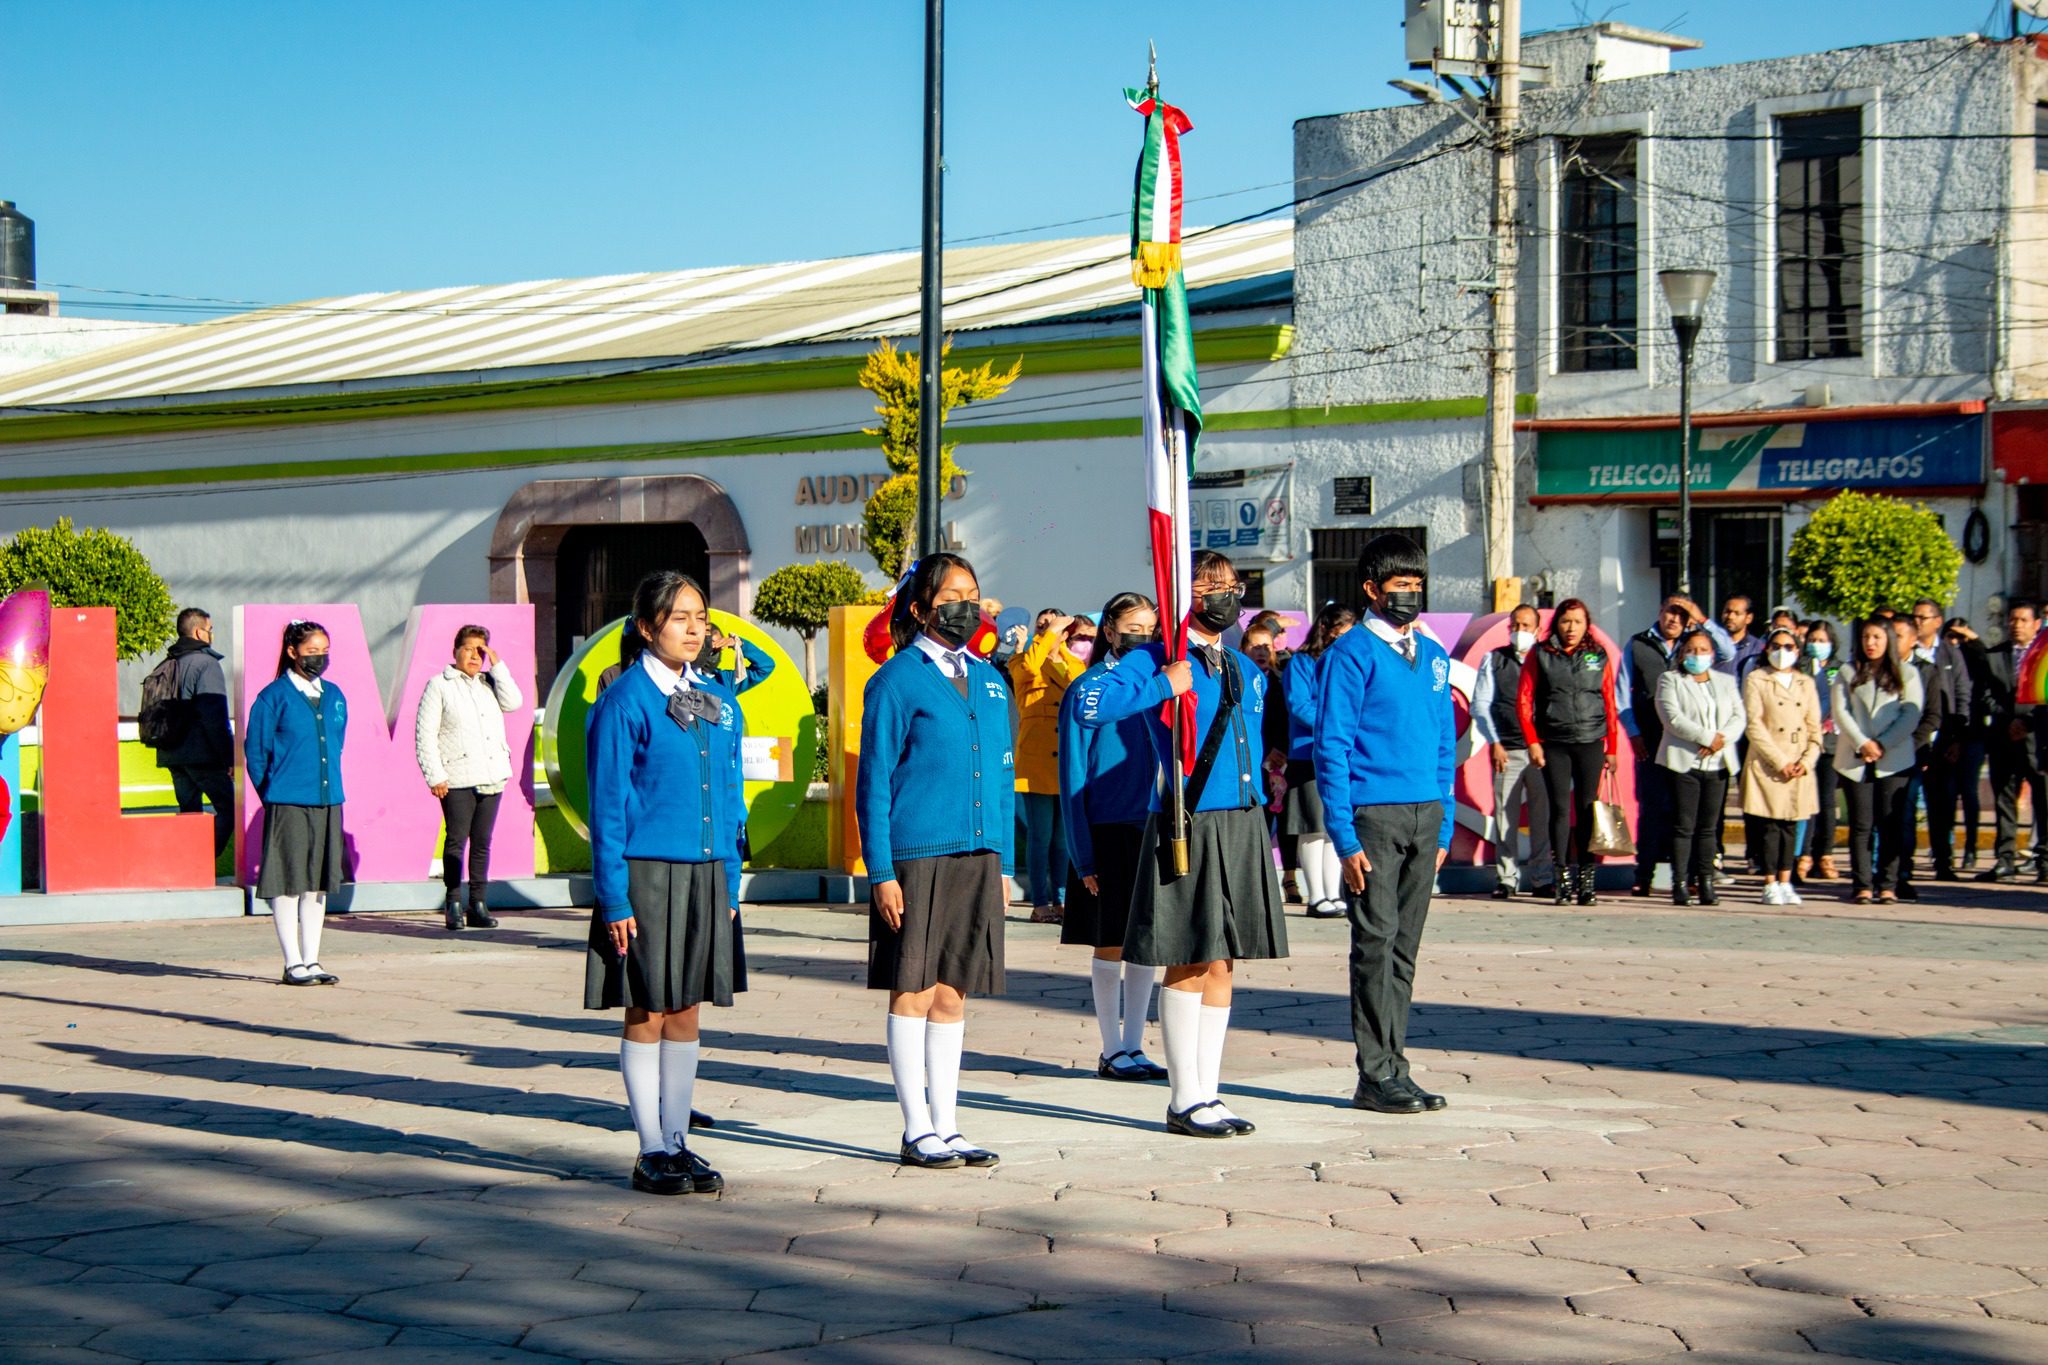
[(1685, 294)]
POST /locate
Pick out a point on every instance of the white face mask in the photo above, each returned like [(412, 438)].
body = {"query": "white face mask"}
[(1784, 658), (1524, 641)]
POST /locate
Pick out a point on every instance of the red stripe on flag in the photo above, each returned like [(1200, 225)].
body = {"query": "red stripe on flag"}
[(1173, 627)]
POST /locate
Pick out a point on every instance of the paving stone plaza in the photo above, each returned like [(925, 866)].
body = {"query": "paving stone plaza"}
[(1809, 1134)]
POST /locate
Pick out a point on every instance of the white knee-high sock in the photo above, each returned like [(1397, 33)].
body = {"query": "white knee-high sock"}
[(640, 1064), (1309, 860), (1180, 1035), (1333, 871), (1103, 974), (312, 914), (907, 1069), (678, 1087), (284, 917), (943, 1044), (1137, 993), (1215, 1028)]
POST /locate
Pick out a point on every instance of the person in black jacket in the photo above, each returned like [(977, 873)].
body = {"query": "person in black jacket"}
[(1566, 706), (201, 759), (2009, 741), (1970, 769)]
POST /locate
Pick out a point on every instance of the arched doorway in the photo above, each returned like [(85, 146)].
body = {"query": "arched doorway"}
[(577, 546)]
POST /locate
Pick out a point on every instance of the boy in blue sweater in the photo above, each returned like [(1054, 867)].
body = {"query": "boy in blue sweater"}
[(1385, 754)]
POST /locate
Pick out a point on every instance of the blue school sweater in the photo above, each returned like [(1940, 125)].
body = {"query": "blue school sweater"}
[(293, 749), (937, 772), (1107, 772), (1303, 679), (1138, 686), (657, 791), (1386, 733)]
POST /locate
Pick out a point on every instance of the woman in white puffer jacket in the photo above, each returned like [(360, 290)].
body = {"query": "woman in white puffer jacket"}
[(466, 760)]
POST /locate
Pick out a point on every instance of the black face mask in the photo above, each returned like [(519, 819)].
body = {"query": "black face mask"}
[(1135, 639), (954, 623), (312, 665), (1219, 611), (1399, 608)]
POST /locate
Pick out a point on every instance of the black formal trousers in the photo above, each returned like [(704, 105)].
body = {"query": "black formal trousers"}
[(1878, 805), (217, 786), (2013, 767), (470, 815), (1400, 841)]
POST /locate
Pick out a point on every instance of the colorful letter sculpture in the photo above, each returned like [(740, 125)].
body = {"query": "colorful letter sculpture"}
[(88, 844), (392, 822), (24, 672)]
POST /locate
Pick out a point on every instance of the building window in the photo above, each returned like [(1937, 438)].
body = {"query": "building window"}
[(1333, 563), (1597, 268), (1820, 235)]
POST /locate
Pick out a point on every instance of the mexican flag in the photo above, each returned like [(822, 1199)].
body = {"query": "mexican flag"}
[(1173, 401)]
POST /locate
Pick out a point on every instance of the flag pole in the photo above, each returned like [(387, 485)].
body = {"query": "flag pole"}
[(1177, 778)]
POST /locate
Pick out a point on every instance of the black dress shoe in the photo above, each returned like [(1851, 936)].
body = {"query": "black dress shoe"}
[(652, 1174), (699, 1178), (321, 976), (1503, 891), (1708, 895), (1119, 1066), (1153, 1071), (301, 978), (2001, 871), (1188, 1124), (451, 915), (1326, 910), (1387, 1096), (1546, 889), (973, 1156), (938, 1161), (1240, 1126), (1946, 872), (1908, 892), (1430, 1101), (2041, 874), (478, 916), (1681, 895), (700, 1119)]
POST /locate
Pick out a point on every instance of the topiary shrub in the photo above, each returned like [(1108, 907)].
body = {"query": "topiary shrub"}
[(93, 568), (1863, 551), (800, 597)]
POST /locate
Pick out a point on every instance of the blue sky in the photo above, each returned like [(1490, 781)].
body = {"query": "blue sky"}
[(270, 152)]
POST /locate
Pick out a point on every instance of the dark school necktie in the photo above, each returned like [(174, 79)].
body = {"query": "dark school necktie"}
[(687, 704)]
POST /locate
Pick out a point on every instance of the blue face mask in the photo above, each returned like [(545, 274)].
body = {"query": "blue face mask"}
[(1820, 649), (1697, 664)]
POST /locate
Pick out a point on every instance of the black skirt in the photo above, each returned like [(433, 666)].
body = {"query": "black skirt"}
[(303, 851), (685, 949), (1301, 808), (952, 930), (1099, 921), (1228, 904)]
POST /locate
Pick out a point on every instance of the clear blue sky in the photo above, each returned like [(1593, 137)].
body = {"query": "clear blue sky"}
[(269, 151)]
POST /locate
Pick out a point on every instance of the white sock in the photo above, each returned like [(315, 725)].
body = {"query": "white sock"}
[(1138, 982), (284, 917), (640, 1064), (943, 1044), (312, 914), (1333, 870), (1215, 1028), (1103, 974), (1180, 1034), (678, 1085), (1309, 861), (906, 1068)]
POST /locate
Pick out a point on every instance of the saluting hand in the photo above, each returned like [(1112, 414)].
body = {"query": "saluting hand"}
[(889, 903)]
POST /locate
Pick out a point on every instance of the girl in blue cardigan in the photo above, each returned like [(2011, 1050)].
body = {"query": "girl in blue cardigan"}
[(1322, 881), (666, 812), (1107, 773), (935, 796), (292, 752)]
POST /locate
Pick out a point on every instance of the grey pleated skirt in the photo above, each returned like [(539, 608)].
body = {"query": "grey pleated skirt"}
[(303, 851), (1227, 906), (1099, 921), (952, 930), (686, 947), (1301, 808)]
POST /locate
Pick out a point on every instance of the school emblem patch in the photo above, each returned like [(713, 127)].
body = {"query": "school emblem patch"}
[(1442, 670)]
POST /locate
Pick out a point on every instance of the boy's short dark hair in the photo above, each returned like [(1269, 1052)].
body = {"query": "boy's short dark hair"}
[(1391, 555)]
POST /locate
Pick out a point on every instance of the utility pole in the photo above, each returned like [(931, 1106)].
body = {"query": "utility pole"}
[(1504, 50), (931, 341)]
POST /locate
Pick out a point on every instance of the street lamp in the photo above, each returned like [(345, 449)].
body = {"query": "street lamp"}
[(1685, 294)]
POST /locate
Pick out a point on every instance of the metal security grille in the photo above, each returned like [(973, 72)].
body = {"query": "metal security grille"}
[(1333, 567), (1597, 267), (1820, 235)]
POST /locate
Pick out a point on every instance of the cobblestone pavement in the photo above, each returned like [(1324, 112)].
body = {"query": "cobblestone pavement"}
[(1739, 1135)]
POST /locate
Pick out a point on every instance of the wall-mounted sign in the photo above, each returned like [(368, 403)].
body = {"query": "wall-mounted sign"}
[(1353, 497), (1243, 511), (1894, 452), (852, 491)]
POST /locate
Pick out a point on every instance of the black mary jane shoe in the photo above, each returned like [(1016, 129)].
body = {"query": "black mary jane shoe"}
[(1430, 1101), (1119, 1066), (305, 979), (700, 1119), (1153, 1071), (451, 914), (652, 1174), (910, 1156), (478, 916), (1387, 1096), (1187, 1125), (972, 1155), (1241, 1127), (697, 1177), (321, 976), (1327, 909)]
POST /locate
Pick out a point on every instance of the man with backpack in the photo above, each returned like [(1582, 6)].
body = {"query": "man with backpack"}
[(184, 718)]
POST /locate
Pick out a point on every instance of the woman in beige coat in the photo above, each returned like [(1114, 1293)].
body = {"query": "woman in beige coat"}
[(1778, 786)]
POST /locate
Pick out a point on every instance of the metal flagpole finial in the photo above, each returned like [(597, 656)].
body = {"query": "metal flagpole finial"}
[(1152, 68)]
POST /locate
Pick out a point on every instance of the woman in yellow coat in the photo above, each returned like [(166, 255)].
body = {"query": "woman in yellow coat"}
[(1778, 785), (1041, 674)]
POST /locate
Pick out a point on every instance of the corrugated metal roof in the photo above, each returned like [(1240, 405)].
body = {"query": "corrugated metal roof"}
[(624, 317)]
